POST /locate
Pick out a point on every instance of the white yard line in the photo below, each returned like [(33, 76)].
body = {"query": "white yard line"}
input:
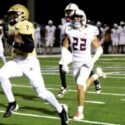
[(114, 77), (50, 117), (102, 93), (115, 73), (122, 99), (95, 102)]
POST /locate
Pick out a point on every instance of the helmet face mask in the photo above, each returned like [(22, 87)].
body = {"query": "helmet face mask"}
[(50, 22), (12, 18), (78, 19), (17, 13), (76, 25)]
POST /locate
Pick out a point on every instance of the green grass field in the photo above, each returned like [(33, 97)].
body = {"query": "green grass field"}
[(107, 108)]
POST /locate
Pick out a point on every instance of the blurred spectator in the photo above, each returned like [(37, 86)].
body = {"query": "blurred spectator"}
[(37, 38), (106, 41), (1, 43), (7, 48), (101, 30), (115, 38), (122, 37), (50, 30), (61, 29)]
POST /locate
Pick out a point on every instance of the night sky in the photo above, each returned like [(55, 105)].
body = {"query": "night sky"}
[(50, 9)]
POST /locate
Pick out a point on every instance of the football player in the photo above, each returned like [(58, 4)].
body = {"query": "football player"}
[(122, 37), (37, 38), (2, 56), (81, 37), (50, 31), (25, 62), (115, 38), (65, 61)]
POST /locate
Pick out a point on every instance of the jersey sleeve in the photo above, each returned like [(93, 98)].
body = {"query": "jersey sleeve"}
[(24, 28)]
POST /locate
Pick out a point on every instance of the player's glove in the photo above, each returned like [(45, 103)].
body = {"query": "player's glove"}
[(65, 68)]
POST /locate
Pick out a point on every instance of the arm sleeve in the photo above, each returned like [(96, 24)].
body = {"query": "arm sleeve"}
[(98, 53)]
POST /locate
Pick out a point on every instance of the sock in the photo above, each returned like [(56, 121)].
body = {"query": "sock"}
[(96, 82), (80, 109), (62, 77), (95, 76)]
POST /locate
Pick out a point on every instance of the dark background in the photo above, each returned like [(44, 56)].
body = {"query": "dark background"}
[(96, 10)]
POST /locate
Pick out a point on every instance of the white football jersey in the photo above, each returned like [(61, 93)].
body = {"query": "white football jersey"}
[(115, 33), (81, 40), (1, 29), (50, 30), (68, 54)]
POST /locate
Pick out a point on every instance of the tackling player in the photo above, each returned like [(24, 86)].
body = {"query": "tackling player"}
[(81, 36)]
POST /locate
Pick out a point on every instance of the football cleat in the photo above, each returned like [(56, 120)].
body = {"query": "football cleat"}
[(64, 115), (100, 72), (62, 92), (98, 88), (11, 107), (78, 116)]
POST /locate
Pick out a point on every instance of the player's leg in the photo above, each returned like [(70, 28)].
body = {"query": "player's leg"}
[(10, 69), (97, 84), (98, 73), (37, 83), (63, 88), (51, 48), (67, 60), (81, 76)]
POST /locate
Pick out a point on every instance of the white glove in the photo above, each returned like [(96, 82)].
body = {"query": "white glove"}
[(65, 68)]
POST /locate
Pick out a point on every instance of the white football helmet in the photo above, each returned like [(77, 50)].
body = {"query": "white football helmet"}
[(98, 24), (1, 21), (122, 23), (115, 25), (79, 13), (70, 8), (50, 22)]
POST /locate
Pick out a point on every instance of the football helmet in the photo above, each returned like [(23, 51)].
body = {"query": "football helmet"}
[(17, 13), (82, 22), (98, 24), (115, 25), (70, 8), (122, 23), (50, 22), (1, 21)]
